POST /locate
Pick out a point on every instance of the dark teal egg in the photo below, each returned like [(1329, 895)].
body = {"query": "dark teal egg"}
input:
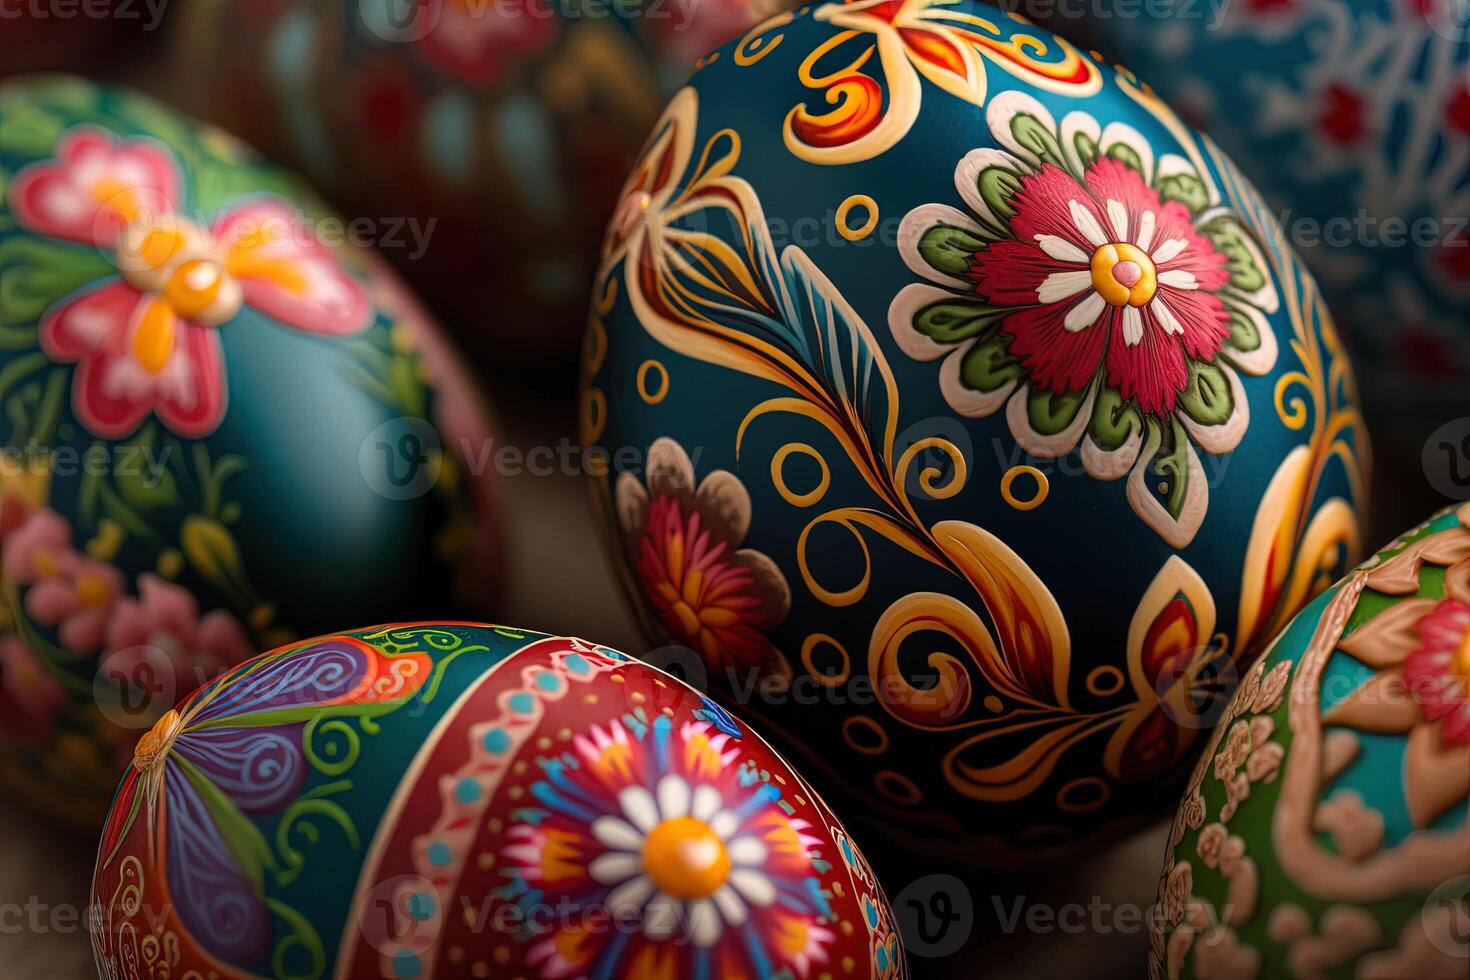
[(967, 414), (223, 427)]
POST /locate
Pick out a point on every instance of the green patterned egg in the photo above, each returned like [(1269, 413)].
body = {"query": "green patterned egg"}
[(1326, 831)]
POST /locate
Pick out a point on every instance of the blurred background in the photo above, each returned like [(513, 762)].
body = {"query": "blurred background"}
[(372, 109)]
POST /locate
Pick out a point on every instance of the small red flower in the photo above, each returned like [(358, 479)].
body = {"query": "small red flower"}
[(1438, 672), (1103, 273), (1341, 116)]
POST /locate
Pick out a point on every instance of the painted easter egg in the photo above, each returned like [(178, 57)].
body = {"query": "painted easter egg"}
[(494, 134), (454, 800), (223, 427), (1353, 117), (1327, 828), (966, 413)]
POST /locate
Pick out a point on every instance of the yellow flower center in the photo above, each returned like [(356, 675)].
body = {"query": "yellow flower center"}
[(1124, 274), (92, 590), (194, 287), (686, 859), (154, 746), (1460, 663)]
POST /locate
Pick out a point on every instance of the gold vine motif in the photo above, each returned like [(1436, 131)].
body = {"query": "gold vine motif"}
[(738, 302)]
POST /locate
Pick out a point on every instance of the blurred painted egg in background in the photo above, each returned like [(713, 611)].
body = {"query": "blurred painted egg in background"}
[(501, 129), (1353, 118), (224, 427), (972, 423), (1326, 827), (452, 800)]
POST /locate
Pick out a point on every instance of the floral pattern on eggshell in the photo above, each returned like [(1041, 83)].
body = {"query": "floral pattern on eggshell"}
[(66, 591), (165, 618), (30, 695), (684, 542), (667, 831), (1098, 295), (145, 341), (1419, 650)]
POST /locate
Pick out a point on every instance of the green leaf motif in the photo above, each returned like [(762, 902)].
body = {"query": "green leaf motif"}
[(951, 321), (27, 129), (997, 187), (35, 273), (1050, 413), (988, 366), (1037, 137), (1187, 189), (949, 249), (1229, 237), (1086, 149), (1245, 336), (1171, 462), (1207, 398), (142, 476), (1125, 154), (1114, 420), (211, 549)]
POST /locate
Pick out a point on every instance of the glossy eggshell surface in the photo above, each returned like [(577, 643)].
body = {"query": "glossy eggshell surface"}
[(197, 390), (983, 495), (1328, 824), (502, 129), (454, 800), (1353, 117)]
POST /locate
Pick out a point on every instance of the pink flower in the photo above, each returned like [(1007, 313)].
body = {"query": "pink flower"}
[(67, 590), (478, 41), (1437, 674), (165, 617), (146, 341), (30, 696), (1105, 274)]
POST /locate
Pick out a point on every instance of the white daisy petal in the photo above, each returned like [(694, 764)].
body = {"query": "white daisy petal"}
[(617, 834), (724, 824), (638, 805), (1165, 316), (614, 867), (1132, 326), (707, 802), (1179, 279), (673, 797), (661, 917), (753, 886), (1085, 313), (730, 905), (1168, 249), (1060, 285), (1061, 249), (1145, 230), (705, 924), (1118, 215), (1086, 223), (629, 898), (746, 850)]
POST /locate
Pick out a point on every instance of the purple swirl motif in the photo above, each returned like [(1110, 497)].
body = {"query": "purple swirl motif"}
[(213, 897), (259, 768), (317, 674)]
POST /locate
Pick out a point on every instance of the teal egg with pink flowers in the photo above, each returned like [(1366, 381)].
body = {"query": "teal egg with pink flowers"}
[(1327, 827), (224, 425), (966, 414)]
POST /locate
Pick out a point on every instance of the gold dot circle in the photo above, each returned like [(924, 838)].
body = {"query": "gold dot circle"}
[(844, 210), (1042, 487), (653, 397)]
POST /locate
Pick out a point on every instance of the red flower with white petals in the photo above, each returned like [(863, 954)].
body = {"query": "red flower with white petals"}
[(1104, 273), (146, 340)]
